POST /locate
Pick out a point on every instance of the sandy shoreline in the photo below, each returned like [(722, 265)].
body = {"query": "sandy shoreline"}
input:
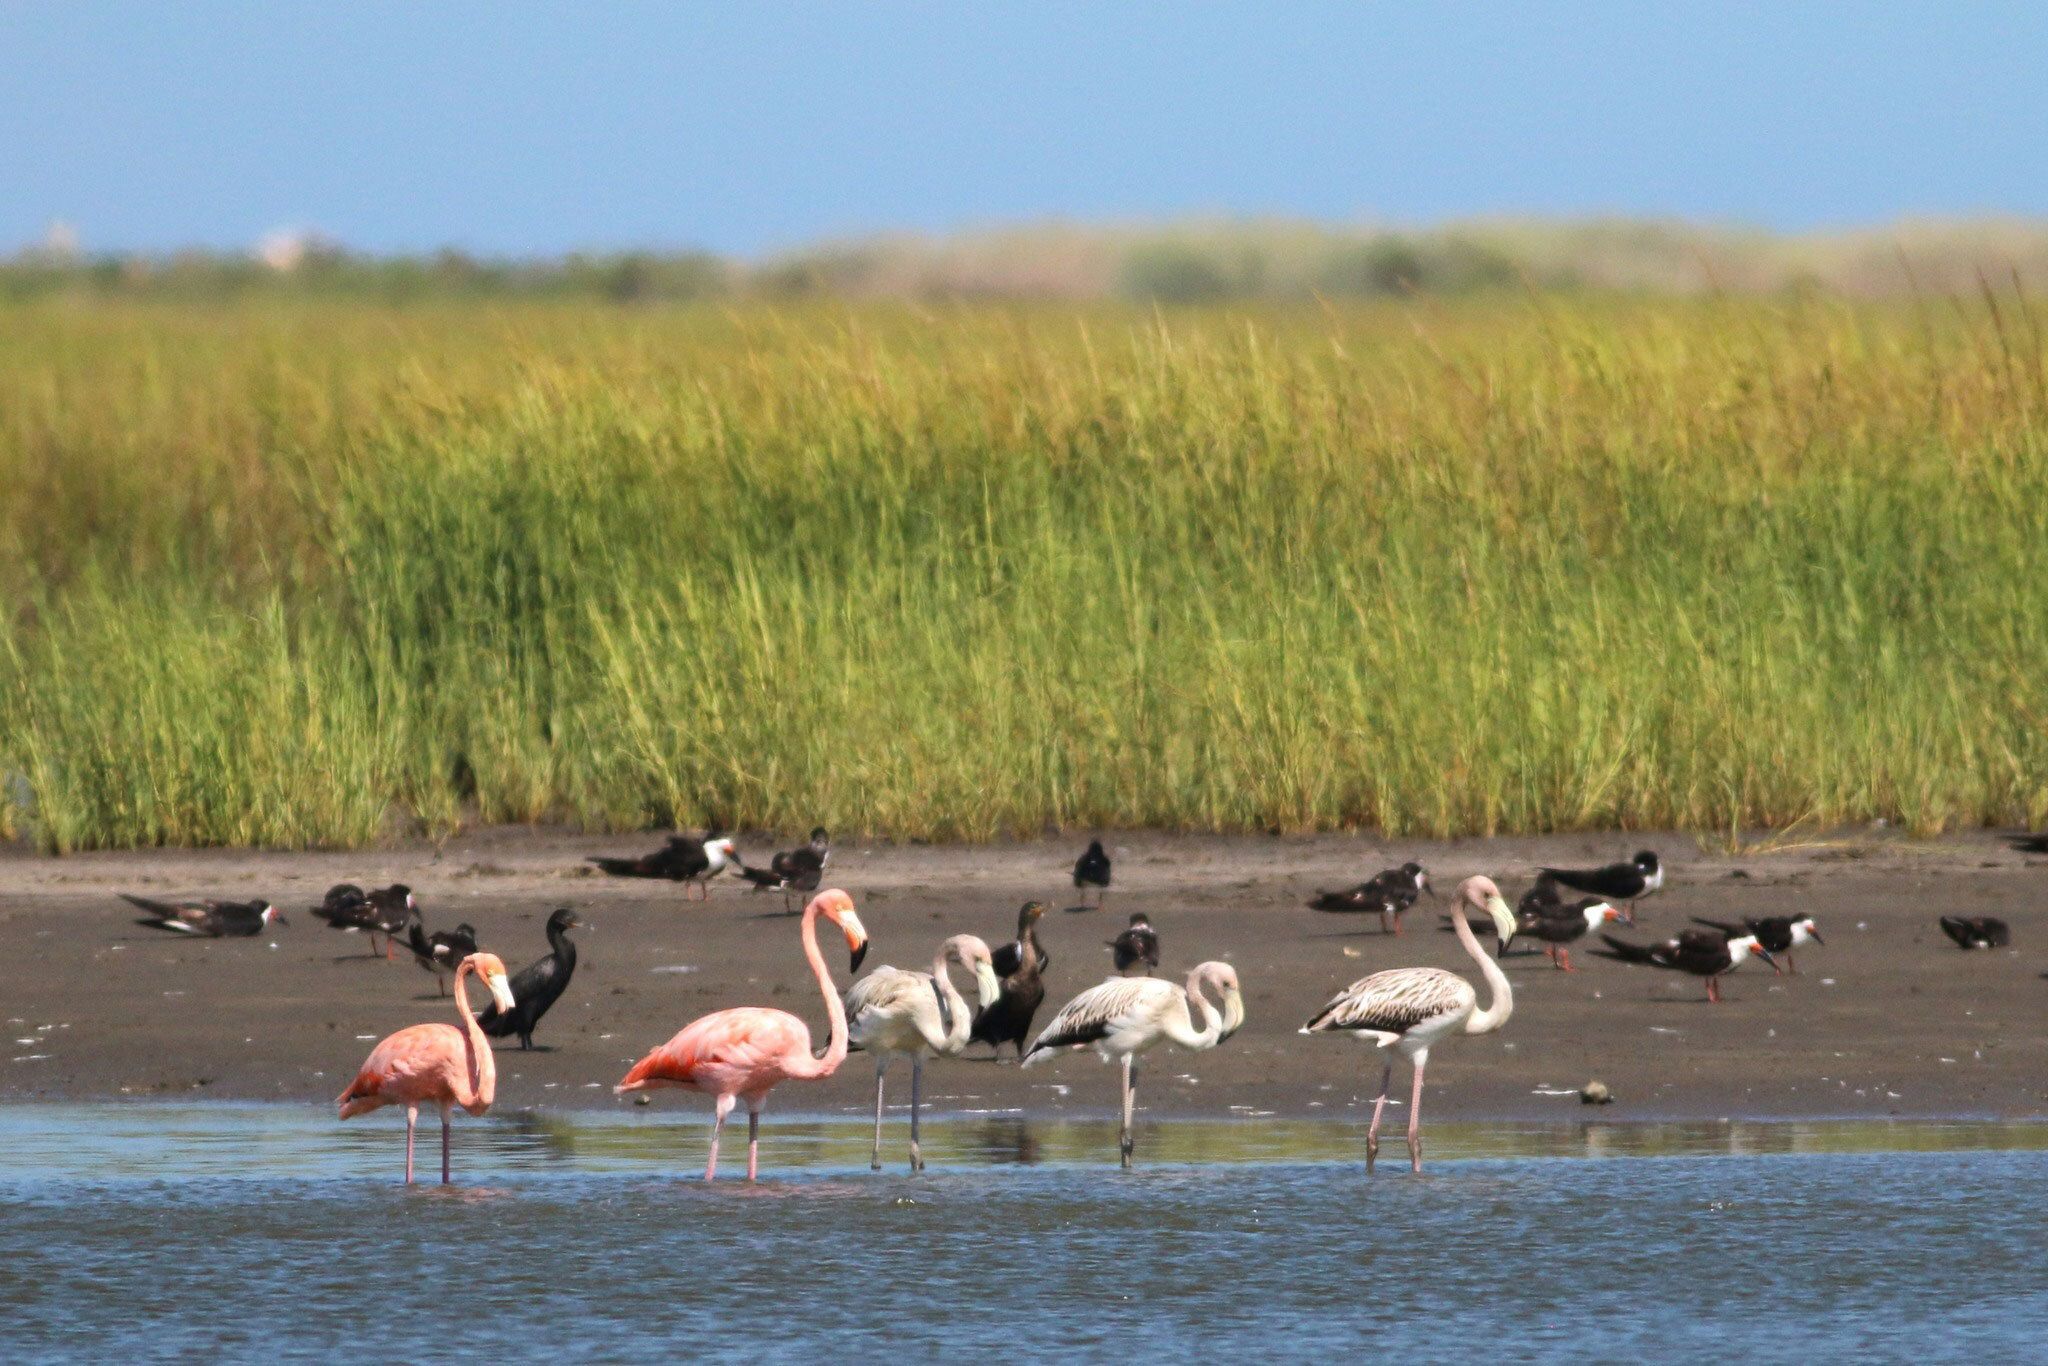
[(1887, 1020)]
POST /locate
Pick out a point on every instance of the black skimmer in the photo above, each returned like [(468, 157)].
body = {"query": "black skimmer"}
[(1703, 953), (384, 910), (684, 859), (1389, 894), (795, 870), (1021, 965), (2030, 844), (1138, 944), (208, 919), (442, 951), (1779, 933), (1092, 870), (1975, 931), (1564, 926), (537, 986), (1639, 877)]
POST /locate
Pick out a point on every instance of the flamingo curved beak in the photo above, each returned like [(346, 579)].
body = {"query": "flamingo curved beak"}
[(856, 937), (501, 990)]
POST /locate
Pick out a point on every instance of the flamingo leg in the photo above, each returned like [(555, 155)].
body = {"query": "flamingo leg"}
[(444, 1148), (1372, 1134), (1125, 1143), (881, 1068), (720, 1111), (916, 1099), (412, 1119), (1415, 1121), (753, 1143)]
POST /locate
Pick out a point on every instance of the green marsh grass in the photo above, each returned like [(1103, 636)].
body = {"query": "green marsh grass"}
[(311, 573)]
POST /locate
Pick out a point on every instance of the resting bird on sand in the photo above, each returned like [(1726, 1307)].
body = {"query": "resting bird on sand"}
[(683, 859), (1409, 1010), (891, 1012), (794, 870), (208, 919), (1703, 953), (1125, 1016), (384, 910), (1137, 945), (538, 985), (1092, 870), (1387, 894), (1975, 931), (1639, 877), (1021, 965), (442, 951)]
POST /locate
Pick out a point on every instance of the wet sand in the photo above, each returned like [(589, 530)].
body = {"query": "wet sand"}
[(1887, 1019)]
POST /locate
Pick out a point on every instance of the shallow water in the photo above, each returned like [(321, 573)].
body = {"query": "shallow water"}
[(270, 1231)]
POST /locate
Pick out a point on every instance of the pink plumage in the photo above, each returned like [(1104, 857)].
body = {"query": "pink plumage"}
[(745, 1052)]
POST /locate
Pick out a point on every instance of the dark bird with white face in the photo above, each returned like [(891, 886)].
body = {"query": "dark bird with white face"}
[(1388, 894), (793, 871), (1558, 930), (1639, 877), (442, 951), (1977, 931), (208, 919), (1703, 953), (1136, 946), (685, 859), (1778, 933)]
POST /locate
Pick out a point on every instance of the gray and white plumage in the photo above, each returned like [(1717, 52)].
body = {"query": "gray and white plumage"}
[(892, 1010), (1125, 1016), (1396, 1003)]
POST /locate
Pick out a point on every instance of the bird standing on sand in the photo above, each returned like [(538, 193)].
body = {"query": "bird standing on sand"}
[(208, 919), (1561, 927), (1136, 945), (794, 870), (1971, 931), (891, 1012), (1703, 953), (1629, 881), (1021, 965), (1409, 1010), (437, 1064), (442, 951), (539, 984), (1125, 1016), (384, 910), (1092, 870), (747, 1051), (683, 859), (1389, 894), (1779, 934)]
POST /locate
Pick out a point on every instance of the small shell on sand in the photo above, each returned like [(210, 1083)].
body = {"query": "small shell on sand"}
[(1596, 1093)]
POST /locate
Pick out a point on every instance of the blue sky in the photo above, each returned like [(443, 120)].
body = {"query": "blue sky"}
[(523, 128)]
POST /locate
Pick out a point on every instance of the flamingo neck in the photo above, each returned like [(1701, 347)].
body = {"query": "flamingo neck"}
[(483, 1064), (1212, 1021), (956, 1004), (835, 1013), (1502, 1002)]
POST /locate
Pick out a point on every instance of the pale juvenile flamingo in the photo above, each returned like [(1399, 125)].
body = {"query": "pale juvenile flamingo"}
[(439, 1064), (745, 1051), (891, 1012), (1409, 1009), (1125, 1016)]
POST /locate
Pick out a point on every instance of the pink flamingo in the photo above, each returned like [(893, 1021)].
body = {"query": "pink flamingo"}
[(744, 1052), (444, 1066)]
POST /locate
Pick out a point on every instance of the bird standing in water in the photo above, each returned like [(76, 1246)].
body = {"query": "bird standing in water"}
[(891, 1012), (744, 1053), (435, 1064), (1409, 1010), (1126, 1016)]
